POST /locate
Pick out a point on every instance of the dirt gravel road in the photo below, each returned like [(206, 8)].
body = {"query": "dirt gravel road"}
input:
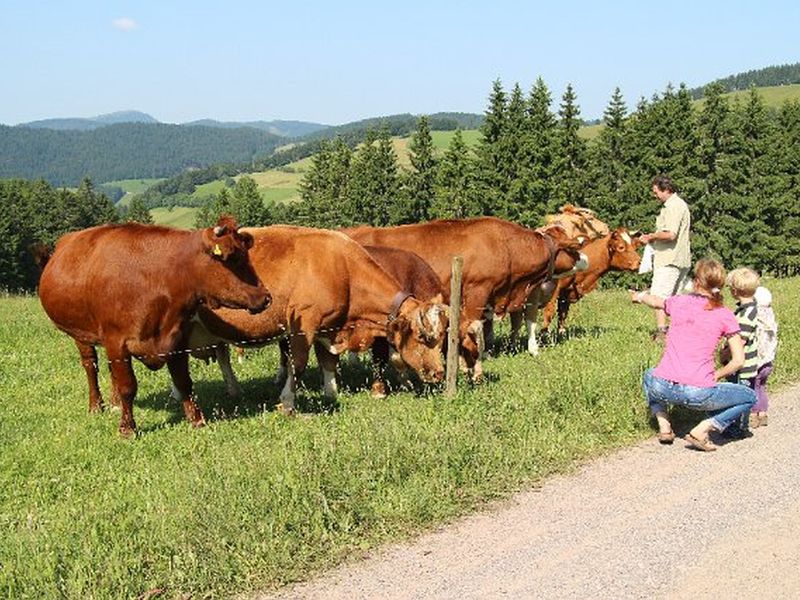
[(649, 521)]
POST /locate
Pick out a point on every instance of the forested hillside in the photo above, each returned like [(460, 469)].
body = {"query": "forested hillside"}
[(176, 190), (736, 163), (125, 151), (769, 76)]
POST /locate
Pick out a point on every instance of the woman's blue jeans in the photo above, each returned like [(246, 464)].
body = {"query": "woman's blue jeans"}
[(728, 401)]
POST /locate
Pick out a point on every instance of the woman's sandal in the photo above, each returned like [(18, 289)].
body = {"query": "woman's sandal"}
[(666, 437), (698, 444)]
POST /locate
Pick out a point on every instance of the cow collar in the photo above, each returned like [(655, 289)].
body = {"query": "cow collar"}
[(398, 300)]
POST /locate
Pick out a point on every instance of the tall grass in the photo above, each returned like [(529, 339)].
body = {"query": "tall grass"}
[(255, 499)]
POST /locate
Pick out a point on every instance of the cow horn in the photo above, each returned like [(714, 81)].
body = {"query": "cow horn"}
[(220, 230)]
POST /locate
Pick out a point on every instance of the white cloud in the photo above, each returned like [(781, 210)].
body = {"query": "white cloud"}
[(124, 23)]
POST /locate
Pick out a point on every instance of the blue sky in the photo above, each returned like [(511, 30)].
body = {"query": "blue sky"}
[(335, 62)]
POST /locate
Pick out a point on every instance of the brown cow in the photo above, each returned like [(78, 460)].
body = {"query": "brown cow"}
[(579, 223), (616, 251), (133, 289), (414, 275), (323, 283), (502, 262)]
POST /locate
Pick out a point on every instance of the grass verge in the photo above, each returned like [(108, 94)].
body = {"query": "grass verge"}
[(256, 500)]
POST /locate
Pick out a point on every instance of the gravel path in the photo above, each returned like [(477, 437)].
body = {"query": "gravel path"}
[(649, 521)]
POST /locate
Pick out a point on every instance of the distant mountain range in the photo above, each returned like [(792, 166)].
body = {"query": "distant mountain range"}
[(287, 129)]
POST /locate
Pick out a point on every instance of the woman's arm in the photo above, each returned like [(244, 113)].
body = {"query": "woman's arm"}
[(647, 299), (736, 346)]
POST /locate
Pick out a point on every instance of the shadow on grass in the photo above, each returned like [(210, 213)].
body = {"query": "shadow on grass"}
[(549, 338)]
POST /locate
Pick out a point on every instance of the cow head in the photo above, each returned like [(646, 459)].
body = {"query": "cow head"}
[(228, 278), (579, 222), (418, 333), (568, 258), (622, 250)]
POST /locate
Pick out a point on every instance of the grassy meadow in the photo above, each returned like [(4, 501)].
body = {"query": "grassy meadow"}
[(255, 499)]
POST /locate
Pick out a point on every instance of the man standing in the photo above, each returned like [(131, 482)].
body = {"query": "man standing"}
[(670, 241)]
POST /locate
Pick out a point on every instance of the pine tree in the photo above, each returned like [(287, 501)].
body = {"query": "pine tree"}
[(247, 205), (540, 150), (571, 158), (490, 160), (375, 189), (455, 198), (515, 166), (138, 212), (609, 161), (421, 182)]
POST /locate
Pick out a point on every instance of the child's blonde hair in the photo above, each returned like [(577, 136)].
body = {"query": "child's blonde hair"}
[(743, 281)]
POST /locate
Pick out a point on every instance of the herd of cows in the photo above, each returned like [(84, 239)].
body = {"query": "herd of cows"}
[(156, 294)]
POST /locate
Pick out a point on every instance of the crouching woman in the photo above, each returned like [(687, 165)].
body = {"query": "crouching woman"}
[(686, 375)]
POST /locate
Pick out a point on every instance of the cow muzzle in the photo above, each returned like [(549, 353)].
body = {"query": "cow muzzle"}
[(261, 303)]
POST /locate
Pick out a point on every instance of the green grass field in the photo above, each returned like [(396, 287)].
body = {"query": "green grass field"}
[(256, 499), (180, 216)]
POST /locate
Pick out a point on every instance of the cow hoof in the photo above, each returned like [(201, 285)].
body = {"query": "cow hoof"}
[(128, 433), (197, 424), (378, 391), (286, 411)]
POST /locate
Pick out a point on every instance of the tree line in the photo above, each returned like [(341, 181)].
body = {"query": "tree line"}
[(737, 163), (35, 213), (768, 76)]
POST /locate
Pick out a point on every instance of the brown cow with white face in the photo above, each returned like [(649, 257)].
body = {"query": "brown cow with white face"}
[(323, 284), (616, 251), (502, 262), (133, 290)]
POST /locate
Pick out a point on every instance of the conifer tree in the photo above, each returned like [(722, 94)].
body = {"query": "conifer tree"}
[(490, 161), (540, 151), (247, 205), (375, 189), (515, 166), (455, 183), (421, 181), (571, 158), (138, 211), (610, 165)]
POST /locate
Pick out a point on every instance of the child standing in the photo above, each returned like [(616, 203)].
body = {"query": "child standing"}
[(743, 283), (767, 335)]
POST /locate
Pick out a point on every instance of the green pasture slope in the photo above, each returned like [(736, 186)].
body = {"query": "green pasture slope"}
[(181, 217), (131, 188), (255, 499)]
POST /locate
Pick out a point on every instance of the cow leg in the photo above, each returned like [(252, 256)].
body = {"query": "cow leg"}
[(476, 328), (531, 313), (549, 312), (563, 311), (124, 382), (89, 362), (328, 363), (239, 354), (516, 322), (380, 358), (232, 387), (280, 376), (298, 348), (178, 365)]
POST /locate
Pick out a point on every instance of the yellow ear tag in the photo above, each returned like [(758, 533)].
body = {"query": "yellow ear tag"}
[(217, 251)]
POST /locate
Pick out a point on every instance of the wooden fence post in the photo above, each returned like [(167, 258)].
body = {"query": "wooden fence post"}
[(455, 316)]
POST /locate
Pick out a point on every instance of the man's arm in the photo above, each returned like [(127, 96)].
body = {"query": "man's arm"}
[(659, 236)]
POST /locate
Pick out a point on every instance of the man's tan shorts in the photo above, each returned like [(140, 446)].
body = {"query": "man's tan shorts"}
[(668, 281)]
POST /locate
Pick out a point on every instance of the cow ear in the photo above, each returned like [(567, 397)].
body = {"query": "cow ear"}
[(246, 239), (217, 245)]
